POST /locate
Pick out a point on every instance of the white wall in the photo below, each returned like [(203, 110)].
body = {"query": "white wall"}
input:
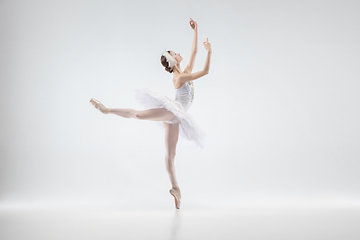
[(280, 106)]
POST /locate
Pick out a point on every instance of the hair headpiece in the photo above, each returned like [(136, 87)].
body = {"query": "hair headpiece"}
[(170, 59)]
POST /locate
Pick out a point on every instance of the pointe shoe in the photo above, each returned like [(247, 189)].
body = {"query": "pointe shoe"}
[(99, 106), (176, 196)]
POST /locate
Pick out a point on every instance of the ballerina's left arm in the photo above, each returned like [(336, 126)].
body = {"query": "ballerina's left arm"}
[(190, 66)]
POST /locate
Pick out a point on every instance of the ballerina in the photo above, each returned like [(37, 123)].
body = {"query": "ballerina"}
[(172, 113)]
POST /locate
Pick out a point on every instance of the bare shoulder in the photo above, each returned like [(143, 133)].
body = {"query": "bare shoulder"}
[(176, 81), (183, 77)]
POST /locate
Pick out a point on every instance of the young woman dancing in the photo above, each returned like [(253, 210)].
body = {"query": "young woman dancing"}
[(172, 113)]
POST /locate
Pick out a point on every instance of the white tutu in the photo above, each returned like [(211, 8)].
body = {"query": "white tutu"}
[(188, 130)]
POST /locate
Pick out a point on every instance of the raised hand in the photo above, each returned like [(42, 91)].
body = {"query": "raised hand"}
[(193, 24), (207, 45)]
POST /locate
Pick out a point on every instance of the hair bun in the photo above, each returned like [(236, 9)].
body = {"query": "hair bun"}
[(168, 69)]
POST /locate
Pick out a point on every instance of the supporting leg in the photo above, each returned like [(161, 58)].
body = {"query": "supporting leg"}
[(171, 139)]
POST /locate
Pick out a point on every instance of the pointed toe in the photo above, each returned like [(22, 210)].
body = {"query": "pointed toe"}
[(176, 197)]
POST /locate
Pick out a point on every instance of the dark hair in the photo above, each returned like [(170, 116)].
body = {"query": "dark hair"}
[(166, 64)]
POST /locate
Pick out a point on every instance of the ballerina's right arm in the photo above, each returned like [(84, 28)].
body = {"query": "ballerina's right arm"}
[(185, 77)]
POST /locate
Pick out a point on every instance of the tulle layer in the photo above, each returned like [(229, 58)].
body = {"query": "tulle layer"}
[(188, 129)]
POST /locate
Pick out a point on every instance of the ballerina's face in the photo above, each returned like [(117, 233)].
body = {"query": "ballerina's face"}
[(177, 56)]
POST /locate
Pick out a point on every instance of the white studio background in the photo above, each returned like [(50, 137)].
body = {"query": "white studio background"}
[(280, 106)]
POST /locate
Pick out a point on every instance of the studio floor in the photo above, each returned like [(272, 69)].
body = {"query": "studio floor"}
[(211, 223)]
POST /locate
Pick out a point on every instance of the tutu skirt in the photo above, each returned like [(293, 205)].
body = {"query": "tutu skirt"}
[(189, 131)]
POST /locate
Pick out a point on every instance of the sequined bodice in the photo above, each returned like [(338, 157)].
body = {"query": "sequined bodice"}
[(185, 95)]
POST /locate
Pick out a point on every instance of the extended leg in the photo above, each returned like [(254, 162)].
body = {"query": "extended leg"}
[(155, 114), (171, 139)]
